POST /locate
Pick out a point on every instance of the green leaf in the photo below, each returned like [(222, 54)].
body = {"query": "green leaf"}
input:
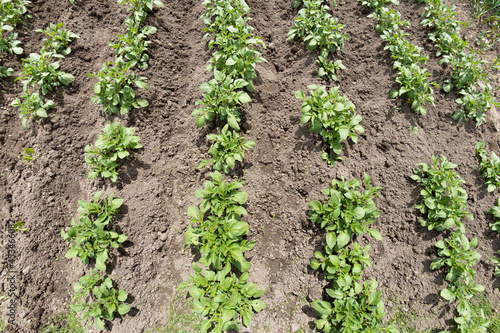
[(375, 234), (342, 239), (66, 78)]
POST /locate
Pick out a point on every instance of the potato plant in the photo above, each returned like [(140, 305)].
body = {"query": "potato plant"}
[(97, 298), (11, 14), (228, 147), (140, 8), (495, 226), (113, 144), (348, 212), (489, 169), (320, 31), (221, 99), (133, 44), (223, 298), (115, 91), (89, 240), (443, 198), (444, 203), (58, 39), (40, 69), (31, 106), (332, 116)]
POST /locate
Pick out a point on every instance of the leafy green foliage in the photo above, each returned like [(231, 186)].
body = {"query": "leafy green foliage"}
[(228, 147), (87, 236), (359, 310), (113, 144), (495, 226), (27, 154), (58, 39), (105, 210), (39, 69), (489, 169), (223, 298), (11, 14), (30, 106), (221, 99), (414, 80), (320, 31), (457, 254), (469, 74), (219, 235), (140, 8), (114, 90), (444, 199), (348, 212), (332, 116), (105, 300), (133, 44), (236, 54)]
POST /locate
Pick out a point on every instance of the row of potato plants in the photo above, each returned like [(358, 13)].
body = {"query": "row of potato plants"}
[(490, 171), (469, 72), (353, 305), (89, 236), (220, 289), (43, 70), (444, 206), (11, 14), (408, 60)]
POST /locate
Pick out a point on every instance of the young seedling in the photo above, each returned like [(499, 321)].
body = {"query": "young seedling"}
[(140, 8), (228, 147), (27, 154), (101, 212), (113, 144)]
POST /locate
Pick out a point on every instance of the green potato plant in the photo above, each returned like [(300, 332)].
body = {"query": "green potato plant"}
[(89, 240), (489, 169), (58, 39), (113, 144), (223, 298), (42, 70), (133, 44), (332, 116), (222, 100), (105, 209), (444, 199), (348, 212), (359, 310), (228, 147), (140, 8), (115, 91), (219, 239), (104, 302), (31, 106), (321, 31)]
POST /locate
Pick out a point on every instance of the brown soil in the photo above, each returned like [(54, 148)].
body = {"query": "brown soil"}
[(283, 173)]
